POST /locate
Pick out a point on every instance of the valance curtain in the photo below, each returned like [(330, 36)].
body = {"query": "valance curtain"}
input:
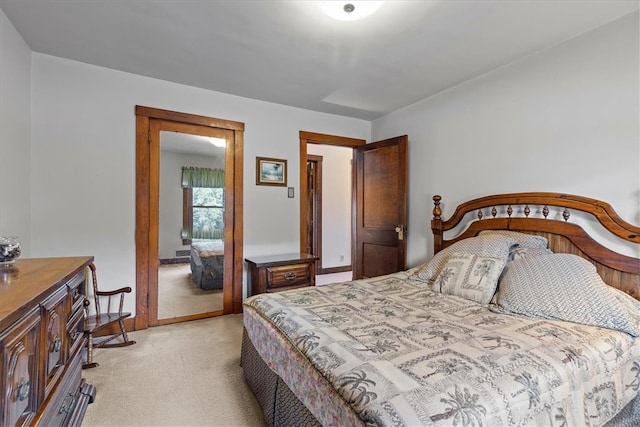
[(202, 177), (193, 177)]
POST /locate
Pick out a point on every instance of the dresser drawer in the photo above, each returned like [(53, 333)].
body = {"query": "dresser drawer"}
[(65, 398), (75, 331), (76, 288), (19, 348), (288, 275), (274, 273), (56, 345)]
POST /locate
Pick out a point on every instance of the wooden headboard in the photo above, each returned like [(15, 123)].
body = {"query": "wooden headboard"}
[(538, 213)]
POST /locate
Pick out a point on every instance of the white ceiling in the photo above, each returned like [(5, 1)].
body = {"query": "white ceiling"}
[(287, 52)]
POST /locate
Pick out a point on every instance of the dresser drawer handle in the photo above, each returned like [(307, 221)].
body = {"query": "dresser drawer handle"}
[(290, 275), (56, 345), (23, 389), (66, 404)]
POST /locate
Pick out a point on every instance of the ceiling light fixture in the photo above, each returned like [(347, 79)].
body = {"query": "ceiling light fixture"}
[(349, 10)]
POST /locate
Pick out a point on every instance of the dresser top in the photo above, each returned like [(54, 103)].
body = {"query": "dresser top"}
[(30, 280)]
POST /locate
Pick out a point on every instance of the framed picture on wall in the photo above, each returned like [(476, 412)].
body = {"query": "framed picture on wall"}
[(271, 171)]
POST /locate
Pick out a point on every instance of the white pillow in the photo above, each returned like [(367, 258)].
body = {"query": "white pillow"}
[(524, 240), (470, 276), (489, 245), (518, 252), (564, 287)]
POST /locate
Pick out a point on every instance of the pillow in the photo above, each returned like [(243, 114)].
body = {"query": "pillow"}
[(518, 252), (524, 240), (563, 287), (490, 245), (470, 276)]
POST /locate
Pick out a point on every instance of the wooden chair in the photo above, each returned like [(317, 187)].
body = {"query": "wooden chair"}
[(99, 327)]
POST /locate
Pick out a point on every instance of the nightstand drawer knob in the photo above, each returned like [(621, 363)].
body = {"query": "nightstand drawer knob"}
[(290, 275)]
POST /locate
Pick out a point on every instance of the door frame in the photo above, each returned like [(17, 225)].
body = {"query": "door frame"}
[(317, 214), (148, 121), (322, 139)]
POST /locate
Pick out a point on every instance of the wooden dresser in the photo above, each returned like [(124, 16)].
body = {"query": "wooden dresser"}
[(41, 342), (275, 273)]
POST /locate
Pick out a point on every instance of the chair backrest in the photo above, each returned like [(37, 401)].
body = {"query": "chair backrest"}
[(94, 281)]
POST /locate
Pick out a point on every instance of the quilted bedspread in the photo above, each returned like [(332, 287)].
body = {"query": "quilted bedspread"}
[(399, 354), (207, 263)]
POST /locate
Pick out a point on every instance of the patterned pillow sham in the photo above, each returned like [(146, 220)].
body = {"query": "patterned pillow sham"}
[(470, 276), (518, 252), (563, 287), (490, 245), (524, 240)]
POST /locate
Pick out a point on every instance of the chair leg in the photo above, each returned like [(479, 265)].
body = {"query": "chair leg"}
[(90, 363), (123, 331), (107, 343)]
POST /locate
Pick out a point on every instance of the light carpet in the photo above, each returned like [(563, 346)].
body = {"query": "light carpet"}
[(182, 374), (179, 295)]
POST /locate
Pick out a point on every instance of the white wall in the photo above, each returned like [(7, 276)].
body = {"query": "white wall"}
[(564, 120), (336, 203), (15, 135), (171, 163), (83, 162)]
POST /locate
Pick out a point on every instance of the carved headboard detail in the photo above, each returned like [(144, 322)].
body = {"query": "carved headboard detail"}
[(548, 215)]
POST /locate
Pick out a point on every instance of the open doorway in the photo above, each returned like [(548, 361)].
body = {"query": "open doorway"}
[(326, 202)]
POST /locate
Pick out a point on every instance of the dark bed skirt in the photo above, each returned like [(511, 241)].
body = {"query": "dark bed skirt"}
[(281, 408)]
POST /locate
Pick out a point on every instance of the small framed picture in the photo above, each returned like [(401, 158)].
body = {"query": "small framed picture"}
[(271, 171)]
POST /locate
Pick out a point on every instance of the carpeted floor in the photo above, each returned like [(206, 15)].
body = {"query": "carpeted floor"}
[(178, 295), (183, 374)]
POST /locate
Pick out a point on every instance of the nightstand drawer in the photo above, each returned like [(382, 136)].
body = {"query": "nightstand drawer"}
[(288, 275), (276, 273)]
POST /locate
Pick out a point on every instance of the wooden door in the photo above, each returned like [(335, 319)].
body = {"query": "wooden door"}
[(381, 208)]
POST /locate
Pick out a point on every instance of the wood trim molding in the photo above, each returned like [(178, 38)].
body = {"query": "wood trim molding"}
[(194, 119), (341, 269), (316, 138), (149, 121)]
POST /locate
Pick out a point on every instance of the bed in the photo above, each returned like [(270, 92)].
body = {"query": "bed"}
[(207, 263), (520, 318)]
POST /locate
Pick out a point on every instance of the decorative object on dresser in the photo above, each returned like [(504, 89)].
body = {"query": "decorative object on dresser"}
[(9, 251), (275, 273), (101, 321), (41, 342)]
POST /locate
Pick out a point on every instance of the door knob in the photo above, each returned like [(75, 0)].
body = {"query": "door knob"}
[(400, 231)]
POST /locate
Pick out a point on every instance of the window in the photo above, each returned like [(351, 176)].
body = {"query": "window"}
[(203, 213)]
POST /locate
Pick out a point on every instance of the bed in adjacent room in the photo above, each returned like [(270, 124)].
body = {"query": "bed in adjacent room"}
[(521, 318), (207, 263)]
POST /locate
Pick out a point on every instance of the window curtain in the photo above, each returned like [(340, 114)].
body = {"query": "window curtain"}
[(202, 177)]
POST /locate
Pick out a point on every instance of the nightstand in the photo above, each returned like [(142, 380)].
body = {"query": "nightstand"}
[(276, 273)]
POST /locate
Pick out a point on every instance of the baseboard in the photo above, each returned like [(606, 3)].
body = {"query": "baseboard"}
[(341, 269), (165, 261)]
